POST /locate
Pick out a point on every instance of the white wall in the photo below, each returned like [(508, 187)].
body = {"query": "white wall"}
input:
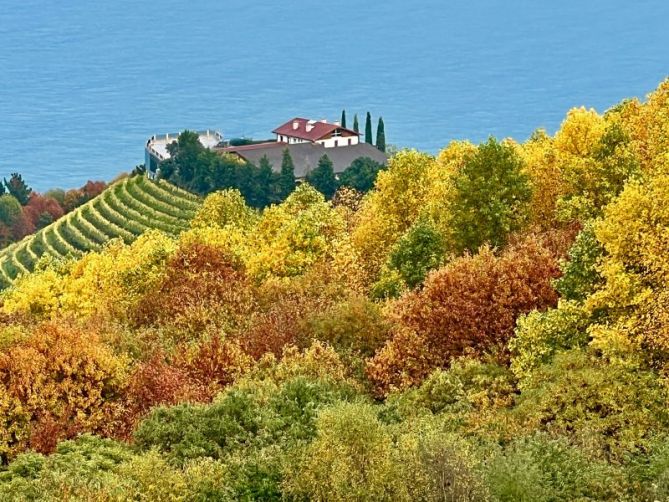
[(341, 141)]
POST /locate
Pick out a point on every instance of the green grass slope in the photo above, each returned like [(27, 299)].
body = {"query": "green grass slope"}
[(126, 209)]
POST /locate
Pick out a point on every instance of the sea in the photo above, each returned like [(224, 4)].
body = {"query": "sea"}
[(84, 83)]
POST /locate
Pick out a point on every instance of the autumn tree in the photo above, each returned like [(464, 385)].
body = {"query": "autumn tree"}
[(470, 306), (59, 379), (491, 197)]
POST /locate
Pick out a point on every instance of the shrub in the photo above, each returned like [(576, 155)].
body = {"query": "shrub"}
[(610, 410), (355, 324), (56, 383), (538, 468), (350, 458)]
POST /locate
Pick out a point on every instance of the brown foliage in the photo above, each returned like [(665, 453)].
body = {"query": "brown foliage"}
[(152, 383), (38, 205), (469, 306), (213, 365)]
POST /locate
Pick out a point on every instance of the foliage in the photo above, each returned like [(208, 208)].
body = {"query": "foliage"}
[(355, 324), (292, 236), (223, 208), (606, 409), (399, 198), (322, 178), (419, 250), (491, 197), (361, 174), (18, 188), (468, 306), (541, 335), (55, 383), (538, 468), (368, 129), (254, 348), (285, 182), (381, 135), (350, 458)]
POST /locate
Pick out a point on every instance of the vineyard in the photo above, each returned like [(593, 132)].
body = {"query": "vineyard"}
[(125, 210)]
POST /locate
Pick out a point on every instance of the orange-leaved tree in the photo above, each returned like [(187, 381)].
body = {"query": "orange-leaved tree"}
[(58, 381), (469, 306)]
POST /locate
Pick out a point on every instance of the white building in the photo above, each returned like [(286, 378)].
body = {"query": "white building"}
[(329, 135)]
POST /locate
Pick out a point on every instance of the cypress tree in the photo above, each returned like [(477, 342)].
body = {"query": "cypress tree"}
[(263, 183), (356, 126), (343, 118), (368, 128), (322, 178), (381, 135), (286, 179)]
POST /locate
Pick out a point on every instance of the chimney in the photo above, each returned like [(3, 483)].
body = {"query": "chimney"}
[(309, 127), (296, 125), (337, 123), (324, 121)]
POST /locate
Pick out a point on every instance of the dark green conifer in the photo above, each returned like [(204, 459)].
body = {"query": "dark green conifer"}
[(381, 135), (286, 179), (368, 129), (322, 178)]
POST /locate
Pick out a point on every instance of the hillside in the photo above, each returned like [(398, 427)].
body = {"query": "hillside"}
[(126, 210), (490, 323)]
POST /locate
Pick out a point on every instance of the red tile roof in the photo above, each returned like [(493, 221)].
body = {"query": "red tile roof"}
[(317, 131)]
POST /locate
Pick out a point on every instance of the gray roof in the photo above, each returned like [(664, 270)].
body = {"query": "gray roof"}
[(306, 155)]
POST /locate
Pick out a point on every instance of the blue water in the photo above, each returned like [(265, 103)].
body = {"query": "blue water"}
[(84, 83)]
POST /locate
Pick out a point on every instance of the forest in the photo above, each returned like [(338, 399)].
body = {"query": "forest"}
[(487, 323)]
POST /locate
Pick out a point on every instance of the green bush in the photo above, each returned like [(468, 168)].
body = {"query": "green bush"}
[(610, 410), (539, 469)]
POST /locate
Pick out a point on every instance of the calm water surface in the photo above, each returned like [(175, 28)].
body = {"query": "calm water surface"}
[(83, 83)]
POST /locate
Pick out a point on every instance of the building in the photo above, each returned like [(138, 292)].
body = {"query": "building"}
[(329, 135), (307, 141), (155, 150)]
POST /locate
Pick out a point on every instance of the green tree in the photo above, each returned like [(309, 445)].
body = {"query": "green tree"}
[(356, 125), (18, 188), (419, 250), (322, 178), (264, 182), (368, 128), (184, 162), (10, 209), (491, 198), (285, 182), (361, 174), (343, 118), (381, 135)]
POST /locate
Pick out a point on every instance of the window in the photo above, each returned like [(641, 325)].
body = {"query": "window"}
[(349, 141), (336, 143)]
